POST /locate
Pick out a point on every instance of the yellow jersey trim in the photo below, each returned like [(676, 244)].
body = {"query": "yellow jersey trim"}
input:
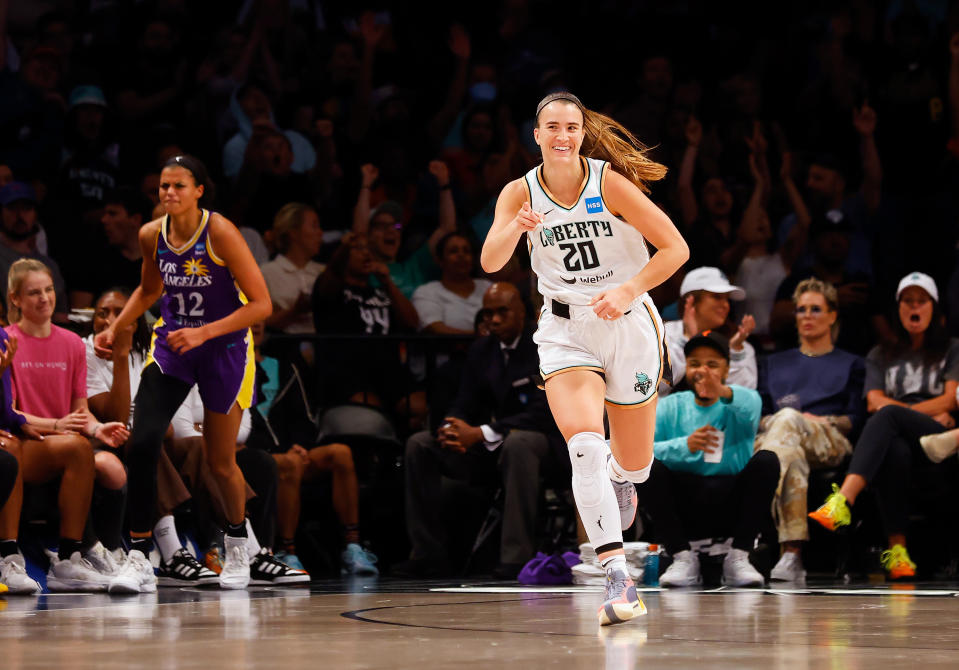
[(179, 251)]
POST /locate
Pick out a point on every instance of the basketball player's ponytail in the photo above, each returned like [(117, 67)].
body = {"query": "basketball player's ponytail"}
[(608, 140)]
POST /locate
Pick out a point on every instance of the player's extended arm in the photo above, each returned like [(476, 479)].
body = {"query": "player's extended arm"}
[(513, 217), (640, 212)]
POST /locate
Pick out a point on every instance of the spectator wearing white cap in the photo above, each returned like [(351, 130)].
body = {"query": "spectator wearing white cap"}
[(704, 299), (910, 390)]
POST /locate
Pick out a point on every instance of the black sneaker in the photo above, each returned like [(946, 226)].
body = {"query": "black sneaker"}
[(184, 570), (265, 569)]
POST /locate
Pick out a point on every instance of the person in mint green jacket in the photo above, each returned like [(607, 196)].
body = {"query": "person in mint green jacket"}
[(706, 481)]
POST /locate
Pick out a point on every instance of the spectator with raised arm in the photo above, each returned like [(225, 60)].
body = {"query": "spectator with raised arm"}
[(384, 227)]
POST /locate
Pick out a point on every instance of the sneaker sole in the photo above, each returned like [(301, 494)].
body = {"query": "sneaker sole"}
[(201, 581), (236, 584), (124, 586), (289, 579), (614, 613), (71, 585), (744, 585), (674, 585)]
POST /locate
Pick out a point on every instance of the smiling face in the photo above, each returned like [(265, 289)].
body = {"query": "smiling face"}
[(915, 310), (179, 192), (814, 318), (712, 310), (36, 298), (108, 308), (559, 131), (705, 363), (386, 233)]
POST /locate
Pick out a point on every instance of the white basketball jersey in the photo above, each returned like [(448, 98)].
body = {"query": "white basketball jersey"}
[(584, 250)]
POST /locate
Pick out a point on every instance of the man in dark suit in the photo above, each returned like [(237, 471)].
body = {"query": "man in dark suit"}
[(499, 429)]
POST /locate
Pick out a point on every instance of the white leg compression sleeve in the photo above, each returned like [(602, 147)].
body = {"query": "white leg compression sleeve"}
[(620, 474), (593, 491)]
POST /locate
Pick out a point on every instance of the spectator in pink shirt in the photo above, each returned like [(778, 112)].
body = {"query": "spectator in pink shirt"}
[(50, 382)]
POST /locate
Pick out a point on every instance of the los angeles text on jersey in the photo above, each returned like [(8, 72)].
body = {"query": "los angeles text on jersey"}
[(579, 230), (171, 278)]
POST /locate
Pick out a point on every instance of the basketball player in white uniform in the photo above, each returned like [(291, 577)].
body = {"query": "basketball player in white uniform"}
[(600, 337)]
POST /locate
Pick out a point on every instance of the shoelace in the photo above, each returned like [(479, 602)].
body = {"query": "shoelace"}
[(624, 493), (834, 502), (616, 584), (892, 557)]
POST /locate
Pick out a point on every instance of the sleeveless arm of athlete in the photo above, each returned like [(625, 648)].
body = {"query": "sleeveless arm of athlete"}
[(232, 248), (513, 218), (637, 210)]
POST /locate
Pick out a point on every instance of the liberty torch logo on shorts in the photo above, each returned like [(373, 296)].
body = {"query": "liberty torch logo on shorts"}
[(643, 382), (594, 205)]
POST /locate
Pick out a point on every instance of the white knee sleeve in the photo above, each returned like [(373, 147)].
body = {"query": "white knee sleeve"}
[(620, 474), (587, 453)]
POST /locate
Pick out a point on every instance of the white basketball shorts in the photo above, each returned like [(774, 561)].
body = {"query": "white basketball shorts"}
[(629, 351)]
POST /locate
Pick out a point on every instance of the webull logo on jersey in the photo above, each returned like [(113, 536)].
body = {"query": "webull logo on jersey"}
[(579, 230), (594, 205)]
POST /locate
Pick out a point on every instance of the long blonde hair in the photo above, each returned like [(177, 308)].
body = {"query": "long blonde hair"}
[(608, 140), (18, 272)]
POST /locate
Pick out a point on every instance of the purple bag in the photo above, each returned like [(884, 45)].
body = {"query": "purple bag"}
[(546, 569)]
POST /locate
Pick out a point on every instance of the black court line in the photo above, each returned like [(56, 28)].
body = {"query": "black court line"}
[(356, 615)]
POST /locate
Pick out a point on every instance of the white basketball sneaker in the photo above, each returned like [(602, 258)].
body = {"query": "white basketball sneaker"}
[(13, 573), (788, 569), (135, 575), (236, 567), (738, 571), (75, 574), (683, 571)]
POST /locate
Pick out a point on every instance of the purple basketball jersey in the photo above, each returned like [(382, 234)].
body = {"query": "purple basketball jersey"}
[(198, 287)]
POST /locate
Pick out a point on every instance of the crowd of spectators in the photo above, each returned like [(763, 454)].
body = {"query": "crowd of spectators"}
[(813, 155)]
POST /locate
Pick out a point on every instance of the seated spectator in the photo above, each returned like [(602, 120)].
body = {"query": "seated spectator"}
[(111, 390), (449, 306), (830, 235), (290, 276), (384, 226), (910, 391), (21, 235), (347, 301), (813, 400), (260, 472), (499, 430), (49, 387), (284, 426), (250, 106), (53, 448), (704, 300), (706, 482), (120, 263)]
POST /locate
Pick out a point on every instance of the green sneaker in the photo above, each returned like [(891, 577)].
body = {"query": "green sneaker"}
[(834, 513)]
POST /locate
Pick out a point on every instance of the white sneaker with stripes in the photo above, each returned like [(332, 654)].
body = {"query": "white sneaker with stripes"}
[(184, 570)]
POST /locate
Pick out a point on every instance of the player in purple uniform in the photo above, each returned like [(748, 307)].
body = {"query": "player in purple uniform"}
[(212, 292)]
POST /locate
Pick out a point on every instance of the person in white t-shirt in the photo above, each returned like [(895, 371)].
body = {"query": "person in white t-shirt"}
[(449, 306), (290, 276), (704, 300)]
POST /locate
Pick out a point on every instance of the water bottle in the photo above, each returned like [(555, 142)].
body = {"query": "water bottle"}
[(651, 566)]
